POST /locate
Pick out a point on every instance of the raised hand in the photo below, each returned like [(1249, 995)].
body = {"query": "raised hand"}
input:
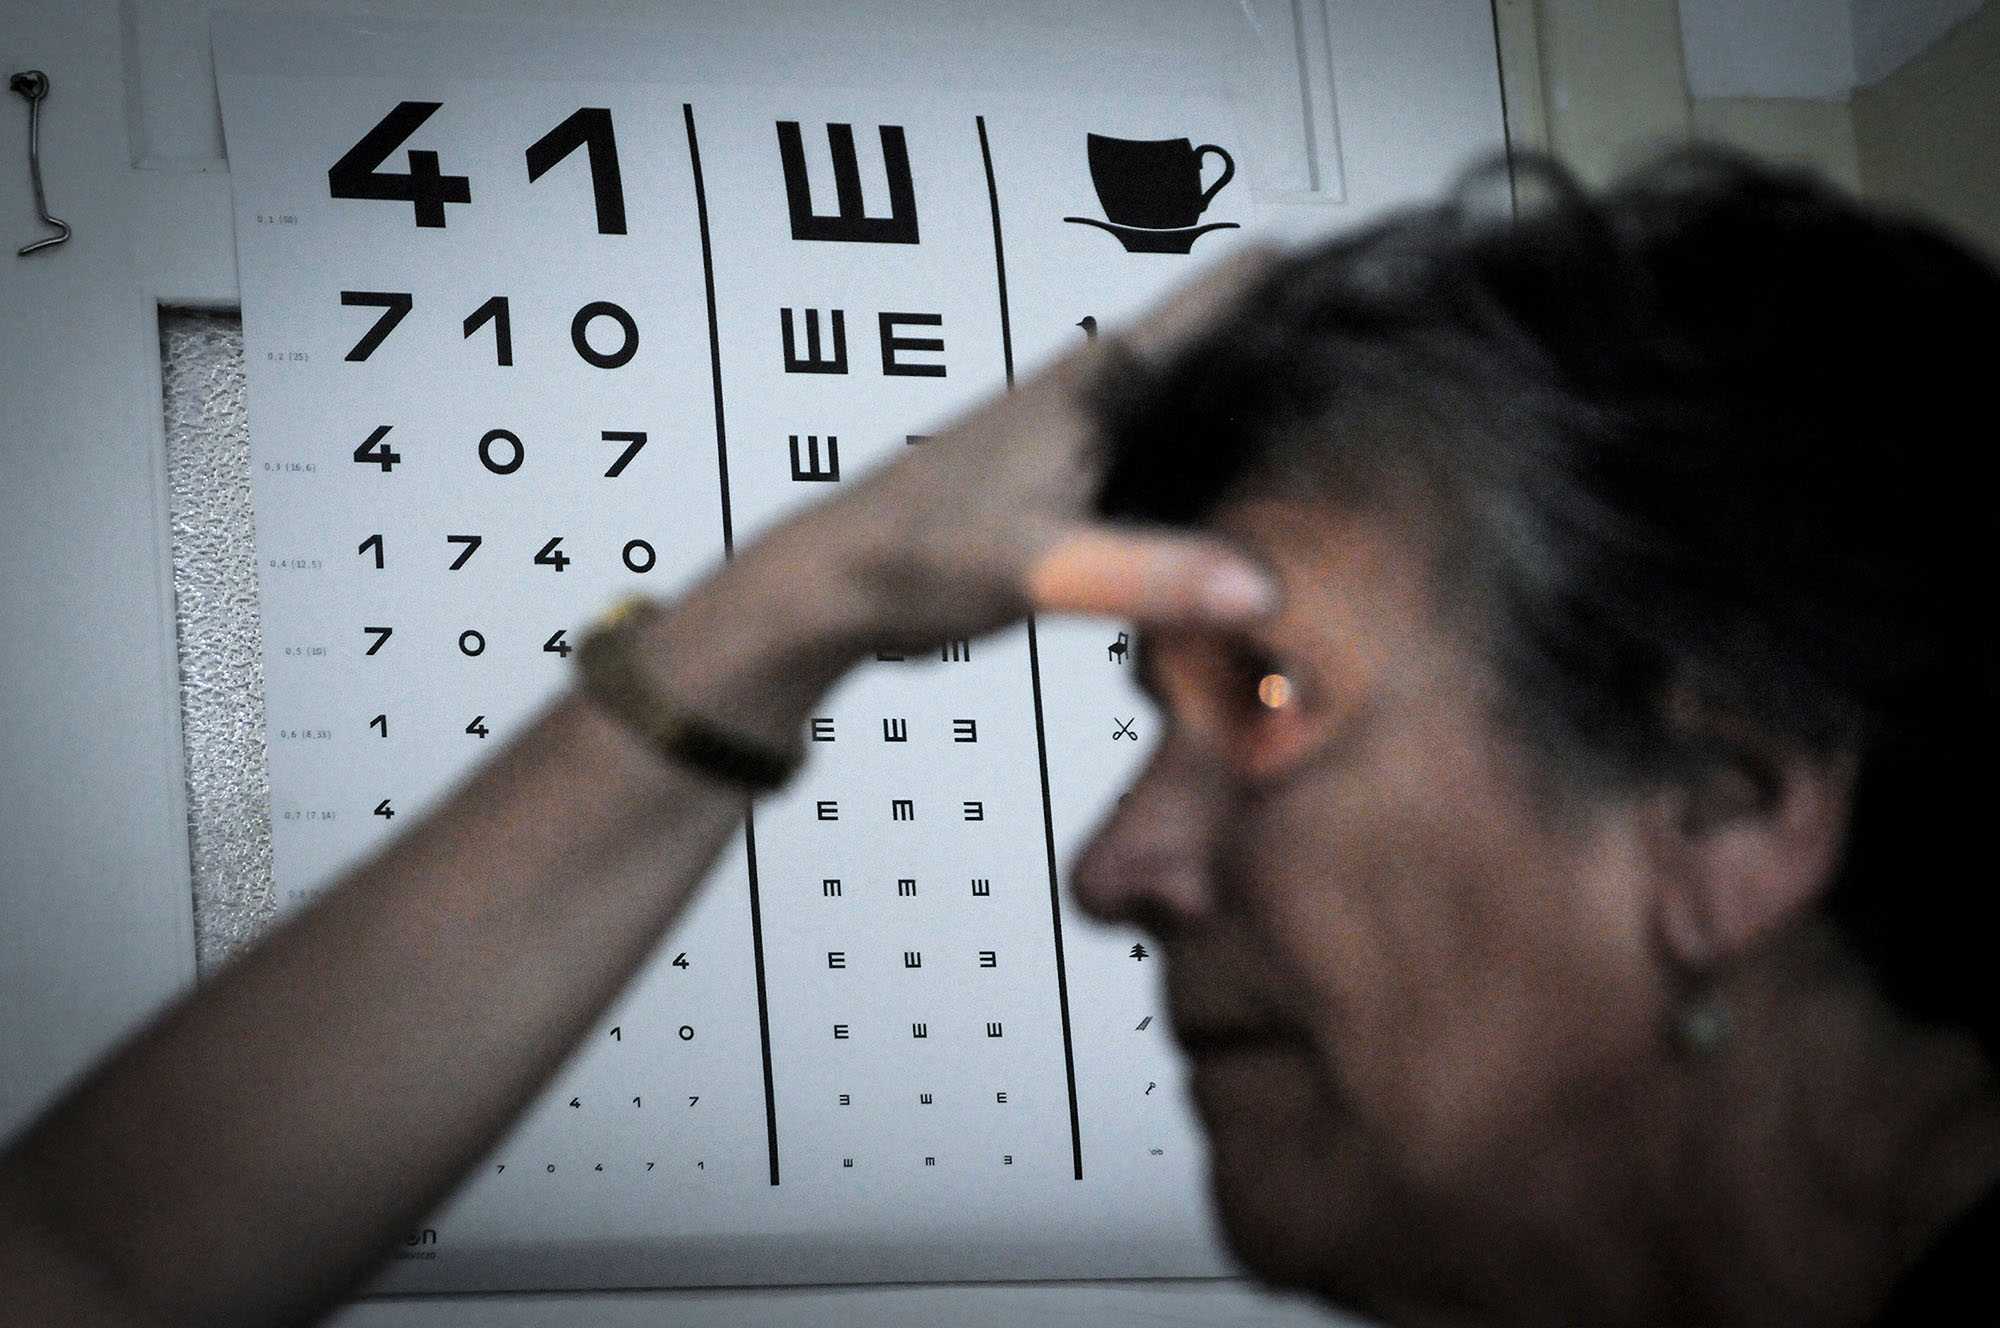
[(991, 519)]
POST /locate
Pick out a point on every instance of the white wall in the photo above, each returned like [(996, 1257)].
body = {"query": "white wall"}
[(1818, 49)]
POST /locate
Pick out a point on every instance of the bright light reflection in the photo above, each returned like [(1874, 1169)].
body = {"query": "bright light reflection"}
[(1275, 690)]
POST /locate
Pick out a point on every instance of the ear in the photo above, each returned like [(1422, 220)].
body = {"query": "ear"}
[(1743, 851)]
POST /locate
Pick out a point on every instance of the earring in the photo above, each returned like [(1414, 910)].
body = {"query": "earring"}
[(1702, 1028)]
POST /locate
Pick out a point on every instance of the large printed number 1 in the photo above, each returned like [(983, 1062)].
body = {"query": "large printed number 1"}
[(424, 187), (589, 128)]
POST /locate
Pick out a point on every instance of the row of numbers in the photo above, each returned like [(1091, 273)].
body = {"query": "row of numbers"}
[(501, 451), (496, 312), (472, 641), (549, 1168), (476, 727), (638, 555)]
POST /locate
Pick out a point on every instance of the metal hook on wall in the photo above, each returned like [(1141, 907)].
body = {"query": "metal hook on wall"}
[(34, 85)]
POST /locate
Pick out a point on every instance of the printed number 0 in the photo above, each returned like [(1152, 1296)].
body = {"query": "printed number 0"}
[(507, 467), (596, 309)]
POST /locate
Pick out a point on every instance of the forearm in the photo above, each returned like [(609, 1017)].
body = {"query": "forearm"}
[(253, 1154)]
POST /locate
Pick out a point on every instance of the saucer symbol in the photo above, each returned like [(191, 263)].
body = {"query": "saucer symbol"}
[(1151, 191)]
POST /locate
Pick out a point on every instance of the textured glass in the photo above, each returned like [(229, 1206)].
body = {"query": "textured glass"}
[(221, 644)]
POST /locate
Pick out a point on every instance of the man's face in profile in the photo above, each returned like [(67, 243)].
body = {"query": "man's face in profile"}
[(1411, 984)]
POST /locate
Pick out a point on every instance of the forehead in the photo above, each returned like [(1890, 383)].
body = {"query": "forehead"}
[(1358, 584)]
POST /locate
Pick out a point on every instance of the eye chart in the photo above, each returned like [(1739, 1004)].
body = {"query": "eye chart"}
[(522, 341)]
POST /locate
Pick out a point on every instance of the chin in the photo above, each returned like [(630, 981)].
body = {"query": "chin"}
[(1305, 1202), (1282, 1183)]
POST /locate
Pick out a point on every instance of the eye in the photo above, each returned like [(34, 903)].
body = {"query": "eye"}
[(1226, 694), (1258, 682)]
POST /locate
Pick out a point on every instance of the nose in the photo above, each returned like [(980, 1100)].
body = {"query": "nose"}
[(1150, 862)]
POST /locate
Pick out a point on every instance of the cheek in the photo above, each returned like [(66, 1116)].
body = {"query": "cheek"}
[(1365, 907), (1463, 974)]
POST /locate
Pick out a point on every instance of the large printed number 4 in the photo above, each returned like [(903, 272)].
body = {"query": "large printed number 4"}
[(372, 450), (553, 556), (424, 187), (427, 189)]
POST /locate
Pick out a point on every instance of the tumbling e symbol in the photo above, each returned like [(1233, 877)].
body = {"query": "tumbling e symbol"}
[(1124, 728), (1151, 191), (849, 220), (1120, 648)]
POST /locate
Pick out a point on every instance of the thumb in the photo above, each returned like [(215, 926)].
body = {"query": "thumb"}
[(1160, 579)]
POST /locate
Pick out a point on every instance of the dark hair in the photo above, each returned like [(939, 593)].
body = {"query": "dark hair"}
[(1715, 429)]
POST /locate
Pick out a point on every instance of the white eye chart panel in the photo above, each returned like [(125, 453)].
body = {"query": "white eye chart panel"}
[(522, 341)]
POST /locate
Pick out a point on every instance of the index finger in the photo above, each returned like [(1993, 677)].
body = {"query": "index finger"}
[(1154, 577)]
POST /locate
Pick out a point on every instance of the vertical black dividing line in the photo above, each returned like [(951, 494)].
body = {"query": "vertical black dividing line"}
[(1055, 901), (763, 1004), (999, 256), (1035, 679), (728, 551), (1506, 117), (714, 330)]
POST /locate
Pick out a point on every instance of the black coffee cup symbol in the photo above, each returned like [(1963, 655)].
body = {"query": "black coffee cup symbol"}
[(1151, 190)]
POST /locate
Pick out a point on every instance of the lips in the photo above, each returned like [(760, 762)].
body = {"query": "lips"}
[(1207, 1040)]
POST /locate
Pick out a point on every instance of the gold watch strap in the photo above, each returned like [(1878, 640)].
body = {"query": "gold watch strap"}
[(611, 677)]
